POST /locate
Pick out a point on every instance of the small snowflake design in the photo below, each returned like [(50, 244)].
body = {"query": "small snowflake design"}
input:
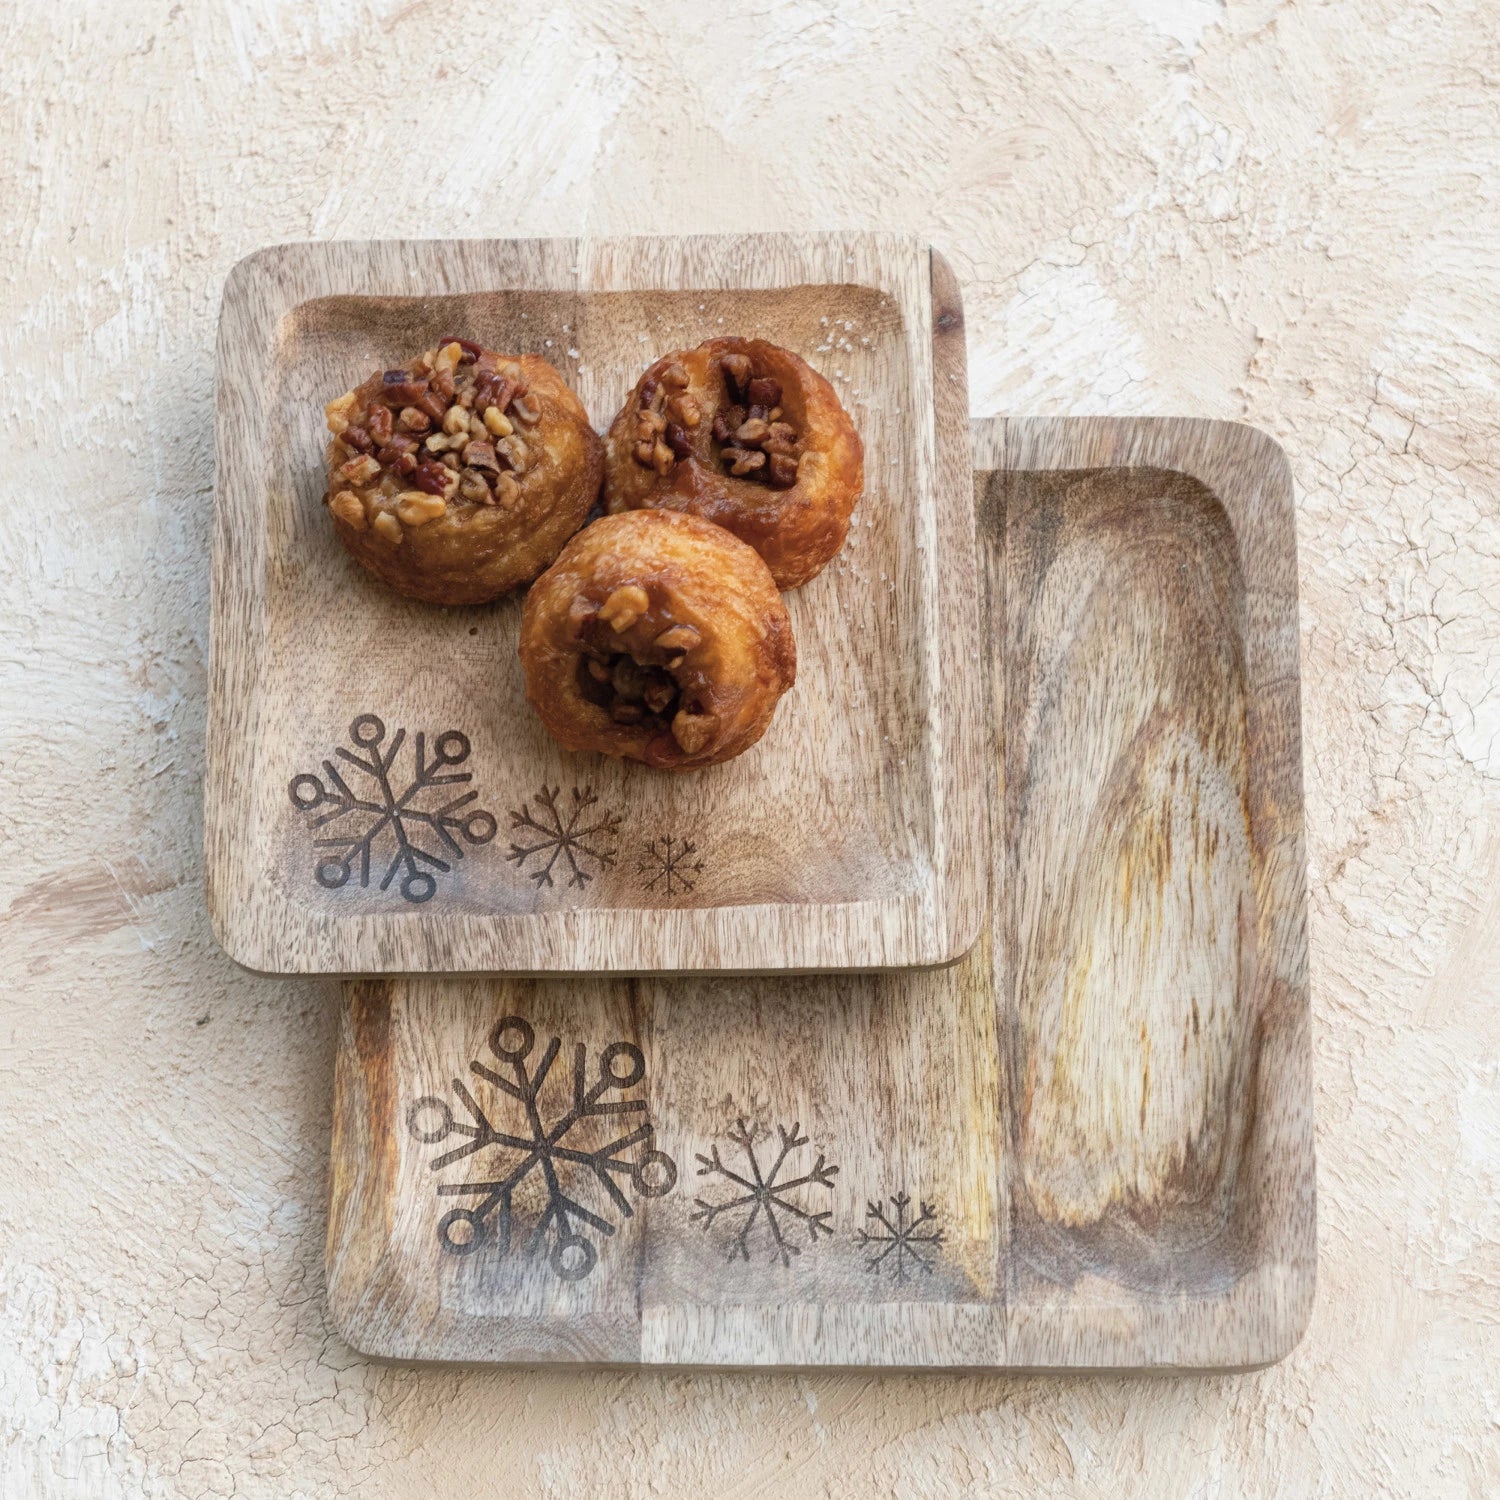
[(669, 866), (550, 832), (550, 1156), (392, 816), (765, 1195), (896, 1239)]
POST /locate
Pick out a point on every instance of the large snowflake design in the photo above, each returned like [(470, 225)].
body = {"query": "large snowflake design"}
[(766, 1195), (386, 819), (538, 1170), (669, 864), (552, 833), (896, 1238)]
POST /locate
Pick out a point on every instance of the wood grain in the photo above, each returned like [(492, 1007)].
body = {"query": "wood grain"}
[(846, 838), (1106, 1105)]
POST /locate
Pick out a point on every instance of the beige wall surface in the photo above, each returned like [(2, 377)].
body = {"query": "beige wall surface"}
[(1274, 210)]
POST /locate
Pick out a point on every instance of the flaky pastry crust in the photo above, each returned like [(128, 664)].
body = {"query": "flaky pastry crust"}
[(657, 637), (459, 477), (747, 435)]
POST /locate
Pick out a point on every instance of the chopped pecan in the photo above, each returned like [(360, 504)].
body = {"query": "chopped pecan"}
[(744, 461), (763, 391), (659, 690), (693, 731), (624, 607), (675, 376), (473, 488), (527, 408), (431, 477), (361, 470), (406, 393), (677, 638), (470, 351), (736, 368), (355, 436), (413, 420), (753, 432), (628, 677), (783, 471), (513, 452), (432, 404), (349, 508), (686, 409), (379, 424), (417, 507), (481, 456), (678, 440)]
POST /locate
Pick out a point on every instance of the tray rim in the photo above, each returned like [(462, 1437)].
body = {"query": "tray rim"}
[(261, 928), (1256, 1323)]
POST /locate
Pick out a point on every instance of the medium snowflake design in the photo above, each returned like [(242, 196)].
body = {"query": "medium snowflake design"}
[(669, 863), (541, 1169), (553, 834), (385, 818), (766, 1194), (900, 1239)]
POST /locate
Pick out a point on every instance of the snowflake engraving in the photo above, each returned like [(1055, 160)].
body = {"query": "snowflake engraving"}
[(900, 1240), (538, 1169), (384, 819), (766, 1195), (551, 834), (670, 864)]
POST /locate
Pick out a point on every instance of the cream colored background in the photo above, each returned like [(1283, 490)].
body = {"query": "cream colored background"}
[(1285, 213)]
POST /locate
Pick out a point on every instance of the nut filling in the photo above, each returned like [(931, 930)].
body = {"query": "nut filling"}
[(752, 439), (448, 430), (639, 684)]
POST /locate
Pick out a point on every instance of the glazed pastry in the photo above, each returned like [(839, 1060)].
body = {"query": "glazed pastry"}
[(747, 435), (657, 637), (461, 475)]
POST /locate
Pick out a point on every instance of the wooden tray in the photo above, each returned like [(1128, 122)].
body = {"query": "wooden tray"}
[(1088, 1145), (848, 838)]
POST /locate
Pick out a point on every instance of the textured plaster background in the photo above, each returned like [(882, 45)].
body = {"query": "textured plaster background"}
[(1285, 213)]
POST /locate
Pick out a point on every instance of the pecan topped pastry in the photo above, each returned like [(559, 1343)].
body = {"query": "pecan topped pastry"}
[(657, 637), (459, 477), (748, 435)]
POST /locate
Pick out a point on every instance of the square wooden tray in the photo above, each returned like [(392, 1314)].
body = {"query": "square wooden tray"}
[(850, 837), (1088, 1145)]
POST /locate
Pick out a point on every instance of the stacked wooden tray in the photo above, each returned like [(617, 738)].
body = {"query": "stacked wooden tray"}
[(1047, 724)]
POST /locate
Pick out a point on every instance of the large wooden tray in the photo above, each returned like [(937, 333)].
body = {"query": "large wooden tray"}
[(848, 838), (1087, 1145)]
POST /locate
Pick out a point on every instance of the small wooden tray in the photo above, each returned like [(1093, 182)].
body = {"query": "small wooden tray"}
[(848, 838), (1088, 1145)]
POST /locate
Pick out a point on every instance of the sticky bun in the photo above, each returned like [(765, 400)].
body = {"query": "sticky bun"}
[(747, 435), (458, 477), (657, 636)]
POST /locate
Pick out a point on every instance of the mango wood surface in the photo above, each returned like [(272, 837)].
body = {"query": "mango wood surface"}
[(847, 838), (1087, 1145)]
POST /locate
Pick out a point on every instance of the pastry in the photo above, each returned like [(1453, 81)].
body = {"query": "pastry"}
[(747, 435), (657, 637), (459, 477)]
